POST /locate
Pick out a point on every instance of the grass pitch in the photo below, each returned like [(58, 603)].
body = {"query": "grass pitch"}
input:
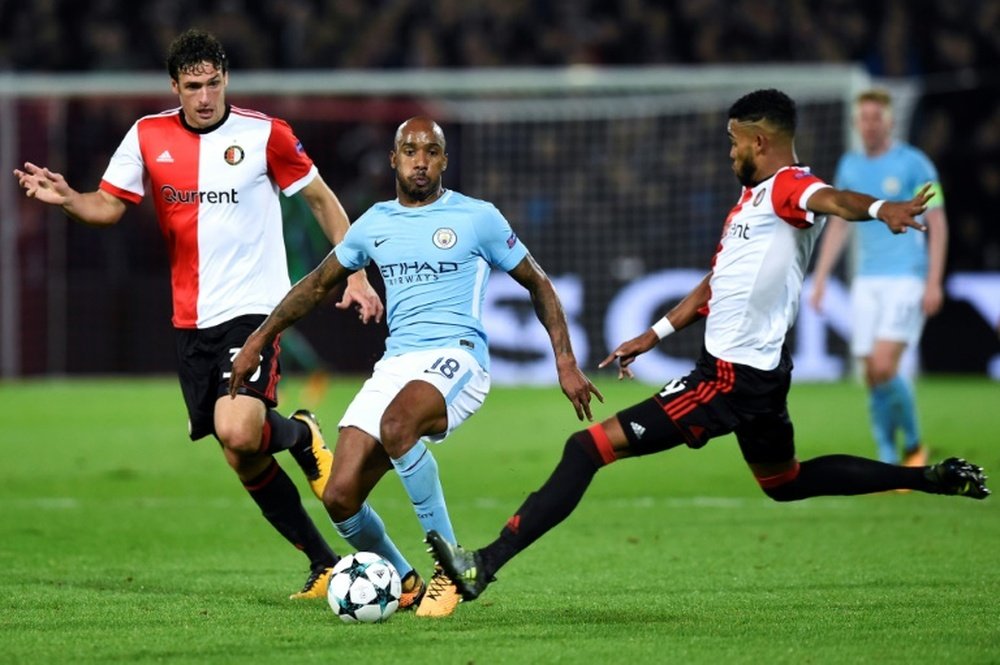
[(120, 541)]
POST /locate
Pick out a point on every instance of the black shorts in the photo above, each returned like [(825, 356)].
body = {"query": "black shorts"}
[(205, 358), (717, 398)]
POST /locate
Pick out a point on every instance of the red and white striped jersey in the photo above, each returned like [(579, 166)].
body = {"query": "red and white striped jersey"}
[(759, 266), (216, 197)]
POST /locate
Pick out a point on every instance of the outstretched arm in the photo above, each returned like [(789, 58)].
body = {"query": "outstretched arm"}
[(684, 313), (333, 220), (92, 208), (575, 385), (857, 207), (299, 301)]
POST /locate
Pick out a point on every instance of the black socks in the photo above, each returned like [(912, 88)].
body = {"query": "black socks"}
[(846, 475), (279, 501), (548, 506)]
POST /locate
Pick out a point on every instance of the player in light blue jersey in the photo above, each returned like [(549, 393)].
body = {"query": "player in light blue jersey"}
[(898, 278), (435, 249)]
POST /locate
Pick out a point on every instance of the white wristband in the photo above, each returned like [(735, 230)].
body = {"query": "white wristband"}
[(874, 208), (663, 327)]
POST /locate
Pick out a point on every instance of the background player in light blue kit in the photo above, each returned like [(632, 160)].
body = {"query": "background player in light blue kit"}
[(898, 280), (434, 248)]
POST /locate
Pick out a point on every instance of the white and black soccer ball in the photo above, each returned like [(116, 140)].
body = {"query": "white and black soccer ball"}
[(364, 587)]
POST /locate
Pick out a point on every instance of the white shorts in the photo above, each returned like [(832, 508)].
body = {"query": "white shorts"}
[(885, 308), (454, 372)]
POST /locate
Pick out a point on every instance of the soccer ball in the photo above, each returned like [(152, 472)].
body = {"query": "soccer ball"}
[(364, 587)]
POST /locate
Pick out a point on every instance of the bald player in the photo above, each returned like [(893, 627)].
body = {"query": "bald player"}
[(434, 248)]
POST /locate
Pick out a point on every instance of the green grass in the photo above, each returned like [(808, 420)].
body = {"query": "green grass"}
[(120, 541)]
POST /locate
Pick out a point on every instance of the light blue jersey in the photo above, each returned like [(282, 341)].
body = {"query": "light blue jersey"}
[(895, 175), (435, 261)]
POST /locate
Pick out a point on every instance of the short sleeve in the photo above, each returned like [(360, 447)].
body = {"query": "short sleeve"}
[(287, 161), (792, 189), (126, 171), (352, 251), (499, 244)]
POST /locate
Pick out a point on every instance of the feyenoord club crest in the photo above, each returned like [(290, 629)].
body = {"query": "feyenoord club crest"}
[(445, 238), (234, 155)]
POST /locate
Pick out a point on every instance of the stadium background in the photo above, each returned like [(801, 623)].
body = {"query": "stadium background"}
[(98, 302)]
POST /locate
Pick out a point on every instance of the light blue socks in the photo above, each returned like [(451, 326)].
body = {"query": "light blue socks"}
[(893, 407), (906, 413), (419, 472), (880, 406), (365, 531)]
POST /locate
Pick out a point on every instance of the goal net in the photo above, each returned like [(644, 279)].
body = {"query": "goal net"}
[(618, 181)]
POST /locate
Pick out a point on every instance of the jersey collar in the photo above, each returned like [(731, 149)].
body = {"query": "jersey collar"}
[(205, 130)]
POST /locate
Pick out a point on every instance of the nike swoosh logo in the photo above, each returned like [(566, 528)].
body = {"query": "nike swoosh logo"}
[(379, 241)]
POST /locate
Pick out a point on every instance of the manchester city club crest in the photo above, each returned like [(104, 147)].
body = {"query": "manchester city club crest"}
[(234, 155), (445, 238), (892, 186)]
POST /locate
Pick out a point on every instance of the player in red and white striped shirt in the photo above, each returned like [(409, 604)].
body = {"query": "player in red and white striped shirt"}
[(740, 383), (215, 172)]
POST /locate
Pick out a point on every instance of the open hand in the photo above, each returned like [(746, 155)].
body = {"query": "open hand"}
[(901, 215), (578, 389), (245, 363), (40, 183), (627, 352), (360, 295)]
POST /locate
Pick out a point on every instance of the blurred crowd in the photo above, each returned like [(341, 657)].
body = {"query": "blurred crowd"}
[(952, 46), (893, 37)]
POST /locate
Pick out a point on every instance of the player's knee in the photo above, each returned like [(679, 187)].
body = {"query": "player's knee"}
[(876, 376), (340, 502), (592, 447), (239, 439), (783, 486), (397, 434), (879, 370), (786, 492)]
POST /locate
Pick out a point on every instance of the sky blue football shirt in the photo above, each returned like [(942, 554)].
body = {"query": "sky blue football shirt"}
[(435, 261), (895, 175)]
